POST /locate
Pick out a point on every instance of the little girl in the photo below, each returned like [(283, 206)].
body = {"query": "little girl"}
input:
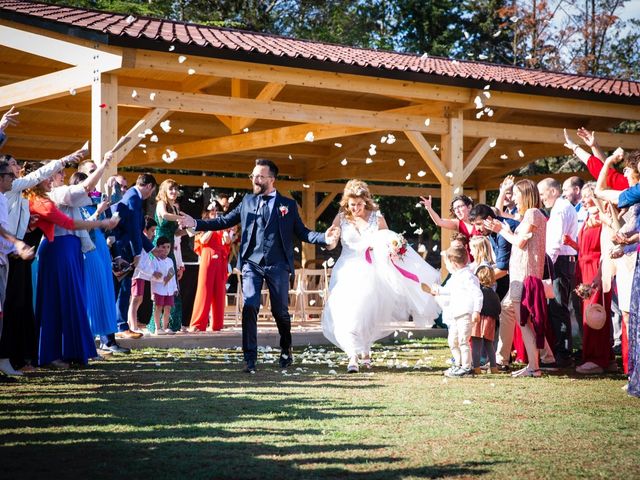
[(163, 286), (483, 332), (481, 252)]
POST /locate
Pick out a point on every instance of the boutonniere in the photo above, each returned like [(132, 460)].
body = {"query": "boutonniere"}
[(283, 210)]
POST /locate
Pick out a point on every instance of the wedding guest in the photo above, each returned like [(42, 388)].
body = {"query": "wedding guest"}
[(19, 340), (625, 199), (505, 205), (129, 245), (463, 304), (482, 217), (167, 216), (563, 220), (163, 287), (140, 276), (483, 331), (64, 332), (460, 207), (527, 259), (596, 344), (213, 249)]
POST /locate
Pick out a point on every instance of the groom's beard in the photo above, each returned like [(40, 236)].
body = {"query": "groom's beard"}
[(259, 189)]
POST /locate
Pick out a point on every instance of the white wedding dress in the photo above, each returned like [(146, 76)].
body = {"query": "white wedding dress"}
[(369, 291)]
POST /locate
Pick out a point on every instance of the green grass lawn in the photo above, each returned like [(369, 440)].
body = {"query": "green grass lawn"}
[(192, 414)]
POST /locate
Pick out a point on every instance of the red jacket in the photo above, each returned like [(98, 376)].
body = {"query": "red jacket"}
[(615, 180), (534, 307)]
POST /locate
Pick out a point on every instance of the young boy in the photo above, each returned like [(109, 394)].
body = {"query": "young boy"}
[(163, 286), (142, 274), (462, 310)]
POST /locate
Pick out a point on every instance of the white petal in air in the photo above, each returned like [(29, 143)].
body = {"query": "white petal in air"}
[(191, 71), (306, 185), (422, 173), (134, 94), (166, 126), (343, 162), (418, 231), (154, 138), (72, 91), (520, 153), (383, 139), (338, 145), (181, 59), (130, 19), (170, 156), (487, 93), (493, 143), (504, 156), (435, 148), (309, 137), (427, 122), (368, 161), (401, 162), (391, 139), (408, 177), (245, 129), (172, 48), (478, 101), (152, 96), (482, 57), (449, 174)]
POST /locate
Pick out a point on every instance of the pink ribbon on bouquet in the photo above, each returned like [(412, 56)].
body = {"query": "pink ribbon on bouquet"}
[(403, 272)]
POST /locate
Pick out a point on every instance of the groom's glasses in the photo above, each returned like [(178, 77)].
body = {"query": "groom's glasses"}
[(259, 177)]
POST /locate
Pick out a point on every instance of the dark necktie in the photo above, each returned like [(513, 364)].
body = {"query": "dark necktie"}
[(264, 213)]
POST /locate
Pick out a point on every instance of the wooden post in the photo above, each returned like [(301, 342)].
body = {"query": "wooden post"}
[(453, 159), (104, 120), (309, 219), (482, 195)]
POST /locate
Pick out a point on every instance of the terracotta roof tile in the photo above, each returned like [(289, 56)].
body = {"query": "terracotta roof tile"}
[(210, 39)]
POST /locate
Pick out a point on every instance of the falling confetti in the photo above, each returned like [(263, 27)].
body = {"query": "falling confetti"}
[(401, 162), (306, 185), (479, 114), (504, 156), (449, 174), (245, 129), (372, 150), (520, 153), (493, 143), (205, 185), (497, 34), (181, 130), (490, 113), (152, 96), (148, 131), (103, 105), (456, 191), (130, 19), (487, 93), (153, 138), (418, 205), (309, 137), (191, 71), (134, 94), (143, 145), (478, 102), (166, 126), (296, 249), (408, 177), (466, 34), (391, 139), (514, 19), (170, 156), (383, 139), (181, 59), (411, 224), (424, 55), (422, 173), (172, 48), (419, 231), (435, 148), (312, 302), (72, 91), (344, 162), (435, 248), (337, 144), (482, 57), (331, 261), (427, 122), (368, 161)]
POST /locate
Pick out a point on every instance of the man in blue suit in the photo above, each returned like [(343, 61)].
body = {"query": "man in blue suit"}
[(269, 222), (129, 244)]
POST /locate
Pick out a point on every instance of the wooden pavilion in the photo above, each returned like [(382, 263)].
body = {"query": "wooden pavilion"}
[(323, 112)]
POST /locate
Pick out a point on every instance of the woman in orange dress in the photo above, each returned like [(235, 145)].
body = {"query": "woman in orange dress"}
[(213, 249)]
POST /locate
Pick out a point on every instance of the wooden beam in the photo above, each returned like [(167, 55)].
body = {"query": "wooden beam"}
[(62, 51), (531, 133), (150, 120), (452, 145), (46, 87), (104, 121), (269, 92), (309, 218), (281, 111), (428, 155), (326, 201), (476, 156), (239, 89)]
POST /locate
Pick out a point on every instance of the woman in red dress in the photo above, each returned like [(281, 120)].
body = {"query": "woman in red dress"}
[(597, 354), (213, 249)]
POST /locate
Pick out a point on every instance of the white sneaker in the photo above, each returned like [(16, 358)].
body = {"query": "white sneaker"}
[(168, 331), (160, 331), (589, 368), (353, 365), (7, 368), (526, 372)]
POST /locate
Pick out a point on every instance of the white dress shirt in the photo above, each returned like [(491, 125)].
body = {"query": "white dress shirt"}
[(465, 295), (563, 220), (163, 265), (6, 246)]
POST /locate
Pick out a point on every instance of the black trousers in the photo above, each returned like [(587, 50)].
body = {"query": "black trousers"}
[(565, 270)]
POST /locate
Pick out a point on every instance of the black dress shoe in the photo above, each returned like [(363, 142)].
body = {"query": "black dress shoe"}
[(286, 359), (249, 367), (503, 368)]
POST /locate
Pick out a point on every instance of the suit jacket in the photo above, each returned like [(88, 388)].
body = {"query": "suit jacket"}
[(130, 239), (285, 212)]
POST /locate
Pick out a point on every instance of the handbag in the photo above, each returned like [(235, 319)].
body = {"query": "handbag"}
[(547, 283), (595, 315)]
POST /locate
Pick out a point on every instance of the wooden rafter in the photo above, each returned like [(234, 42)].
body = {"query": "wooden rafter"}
[(428, 155)]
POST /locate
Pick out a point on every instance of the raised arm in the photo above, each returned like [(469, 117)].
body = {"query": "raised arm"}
[(439, 221), (505, 186), (601, 190), (589, 138), (161, 210)]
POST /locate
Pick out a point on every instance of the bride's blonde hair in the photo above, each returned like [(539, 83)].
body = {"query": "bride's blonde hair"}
[(356, 189)]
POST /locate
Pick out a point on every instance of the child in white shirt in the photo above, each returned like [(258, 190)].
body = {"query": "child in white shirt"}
[(462, 309), (163, 286)]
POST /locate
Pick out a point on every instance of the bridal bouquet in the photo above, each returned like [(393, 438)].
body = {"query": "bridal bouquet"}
[(397, 247), (584, 291)]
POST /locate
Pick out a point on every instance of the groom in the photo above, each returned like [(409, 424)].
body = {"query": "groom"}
[(268, 222)]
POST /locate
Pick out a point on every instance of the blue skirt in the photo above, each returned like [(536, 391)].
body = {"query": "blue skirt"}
[(99, 291), (61, 311)]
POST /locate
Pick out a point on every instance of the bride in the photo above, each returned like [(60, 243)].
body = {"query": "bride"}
[(375, 282)]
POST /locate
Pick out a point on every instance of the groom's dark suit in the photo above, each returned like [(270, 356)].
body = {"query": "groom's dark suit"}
[(266, 254)]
